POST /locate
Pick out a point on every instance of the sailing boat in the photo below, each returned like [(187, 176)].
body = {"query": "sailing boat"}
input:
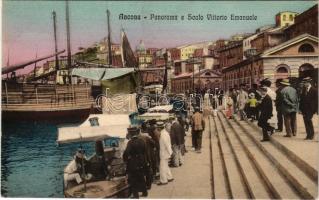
[(55, 103)]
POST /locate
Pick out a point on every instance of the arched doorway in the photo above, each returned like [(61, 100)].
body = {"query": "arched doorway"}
[(282, 71), (306, 70)]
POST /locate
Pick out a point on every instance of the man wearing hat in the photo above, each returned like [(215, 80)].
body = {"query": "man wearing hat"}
[(135, 158), (265, 113), (289, 107), (278, 104), (177, 135), (308, 106), (75, 169), (242, 99), (165, 154), (198, 125), (273, 120)]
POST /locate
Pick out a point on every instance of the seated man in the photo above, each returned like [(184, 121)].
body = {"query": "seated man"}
[(74, 169)]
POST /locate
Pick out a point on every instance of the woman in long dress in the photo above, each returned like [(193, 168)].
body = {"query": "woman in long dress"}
[(229, 109)]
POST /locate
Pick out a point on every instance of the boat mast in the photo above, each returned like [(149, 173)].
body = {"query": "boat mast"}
[(165, 72), (8, 62), (35, 64), (55, 41), (109, 38), (68, 40), (68, 33)]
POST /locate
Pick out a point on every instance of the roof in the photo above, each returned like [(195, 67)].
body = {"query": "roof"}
[(286, 12), (242, 63), (187, 75), (231, 45), (101, 73), (156, 116), (184, 75), (94, 133), (154, 86), (111, 125), (289, 43), (165, 108)]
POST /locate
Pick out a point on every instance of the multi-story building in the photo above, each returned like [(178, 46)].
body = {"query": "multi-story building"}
[(175, 54), (306, 22), (203, 80), (285, 18), (297, 57), (267, 39), (187, 51), (144, 56), (230, 54), (103, 51), (247, 42)]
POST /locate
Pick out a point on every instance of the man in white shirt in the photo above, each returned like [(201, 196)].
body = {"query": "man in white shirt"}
[(165, 154), (74, 169)]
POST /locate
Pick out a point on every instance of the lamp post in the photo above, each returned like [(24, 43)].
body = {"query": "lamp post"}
[(191, 61), (250, 54), (199, 83)]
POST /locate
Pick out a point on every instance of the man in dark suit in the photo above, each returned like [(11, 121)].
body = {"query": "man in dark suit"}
[(265, 113), (177, 135), (278, 103), (308, 106), (135, 158)]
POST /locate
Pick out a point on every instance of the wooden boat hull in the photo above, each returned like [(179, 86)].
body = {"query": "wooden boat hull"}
[(46, 103), (100, 189), (52, 116)]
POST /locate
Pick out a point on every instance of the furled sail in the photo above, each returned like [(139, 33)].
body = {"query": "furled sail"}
[(12, 68), (128, 58)]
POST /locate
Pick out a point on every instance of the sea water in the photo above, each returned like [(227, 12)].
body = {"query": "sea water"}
[(31, 161)]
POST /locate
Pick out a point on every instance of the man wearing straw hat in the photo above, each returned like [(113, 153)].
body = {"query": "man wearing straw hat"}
[(308, 106), (165, 154), (289, 107)]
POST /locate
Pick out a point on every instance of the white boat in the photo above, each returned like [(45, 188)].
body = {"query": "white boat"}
[(161, 109), (154, 116), (104, 173)]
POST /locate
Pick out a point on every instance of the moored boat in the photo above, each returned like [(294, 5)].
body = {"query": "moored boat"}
[(46, 102), (103, 174)]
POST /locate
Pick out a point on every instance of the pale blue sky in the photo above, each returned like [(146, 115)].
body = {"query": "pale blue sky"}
[(27, 25)]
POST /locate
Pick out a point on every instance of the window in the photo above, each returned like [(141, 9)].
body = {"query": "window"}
[(291, 17), (284, 17), (306, 48)]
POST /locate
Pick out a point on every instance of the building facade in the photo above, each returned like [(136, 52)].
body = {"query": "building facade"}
[(203, 80), (230, 54), (306, 22), (285, 18), (297, 57)]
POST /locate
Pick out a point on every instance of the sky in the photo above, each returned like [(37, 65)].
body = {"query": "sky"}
[(27, 26)]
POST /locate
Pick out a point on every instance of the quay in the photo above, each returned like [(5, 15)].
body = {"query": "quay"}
[(193, 178), (235, 164)]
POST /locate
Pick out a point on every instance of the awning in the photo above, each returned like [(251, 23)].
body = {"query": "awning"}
[(110, 126), (101, 73), (156, 116), (85, 134), (165, 108)]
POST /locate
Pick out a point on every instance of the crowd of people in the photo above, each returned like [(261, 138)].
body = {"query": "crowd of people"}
[(275, 109), (150, 155)]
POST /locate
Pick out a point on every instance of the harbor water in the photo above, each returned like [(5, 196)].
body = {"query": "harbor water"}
[(31, 161)]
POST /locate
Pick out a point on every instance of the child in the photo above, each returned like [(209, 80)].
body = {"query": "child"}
[(252, 103), (229, 110)]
